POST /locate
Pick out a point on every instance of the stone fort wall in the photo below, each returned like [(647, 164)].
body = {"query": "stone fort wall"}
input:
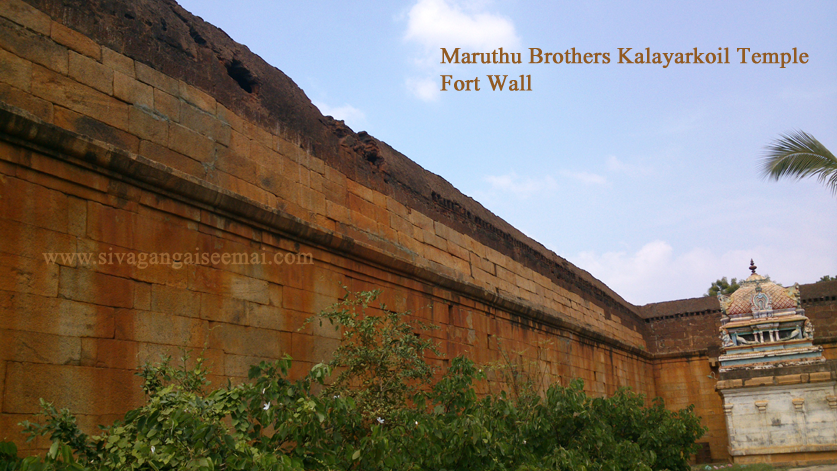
[(134, 128)]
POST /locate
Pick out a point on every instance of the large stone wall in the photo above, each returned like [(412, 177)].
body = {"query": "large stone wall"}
[(134, 128), (131, 129)]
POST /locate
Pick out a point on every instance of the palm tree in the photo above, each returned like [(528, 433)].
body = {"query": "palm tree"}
[(800, 155)]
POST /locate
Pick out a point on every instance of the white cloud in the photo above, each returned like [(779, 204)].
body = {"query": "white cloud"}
[(425, 89), (614, 165), (443, 23), (521, 187), (434, 24), (353, 117), (585, 177), (656, 272), (652, 273), (525, 187)]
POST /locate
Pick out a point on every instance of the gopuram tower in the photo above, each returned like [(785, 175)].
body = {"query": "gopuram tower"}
[(779, 393)]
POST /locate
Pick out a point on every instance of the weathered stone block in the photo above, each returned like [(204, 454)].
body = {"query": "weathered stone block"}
[(15, 71), (39, 108), (79, 98), (362, 222), (298, 300), (164, 207), (258, 133), (142, 296), (222, 282), (303, 176), (125, 354), (75, 41), (28, 312), (156, 79), (34, 242), (176, 160), (132, 91), (204, 123), (169, 237), (196, 97), (167, 105), (240, 144), (229, 117), (190, 143), (147, 125), (363, 192), (238, 366), (26, 15), (314, 201), (262, 155), (88, 286), (33, 204), (239, 166), (337, 212), (33, 47), (110, 225), (36, 347), (788, 379), (81, 389), (268, 316), (223, 309), (249, 341), (116, 61), (820, 376), (312, 348), (175, 301), (317, 165), (28, 275), (289, 149), (85, 125), (92, 73), (161, 328), (76, 217)]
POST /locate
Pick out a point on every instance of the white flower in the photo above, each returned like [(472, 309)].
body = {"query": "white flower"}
[(266, 406), (152, 448), (263, 390), (524, 442), (416, 422), (380, 420)]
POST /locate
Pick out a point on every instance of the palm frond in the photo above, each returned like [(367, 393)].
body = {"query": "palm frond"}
[(800, 155)]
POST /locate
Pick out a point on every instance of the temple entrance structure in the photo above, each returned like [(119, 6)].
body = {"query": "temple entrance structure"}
[(779, 396)]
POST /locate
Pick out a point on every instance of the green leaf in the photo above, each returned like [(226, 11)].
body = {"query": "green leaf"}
[(53, 450)]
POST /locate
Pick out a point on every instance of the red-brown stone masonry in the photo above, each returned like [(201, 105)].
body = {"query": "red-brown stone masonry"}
[(97, 322), (90, 326), (823, 314), (69, 80), (684, 334), (691, 380)]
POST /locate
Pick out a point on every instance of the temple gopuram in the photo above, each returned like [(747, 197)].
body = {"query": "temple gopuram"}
[(779, 397)]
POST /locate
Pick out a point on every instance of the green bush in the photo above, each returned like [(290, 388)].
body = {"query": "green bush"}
[(382, 411)]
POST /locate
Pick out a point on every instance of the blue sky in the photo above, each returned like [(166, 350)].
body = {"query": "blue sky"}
[(647, 177)]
